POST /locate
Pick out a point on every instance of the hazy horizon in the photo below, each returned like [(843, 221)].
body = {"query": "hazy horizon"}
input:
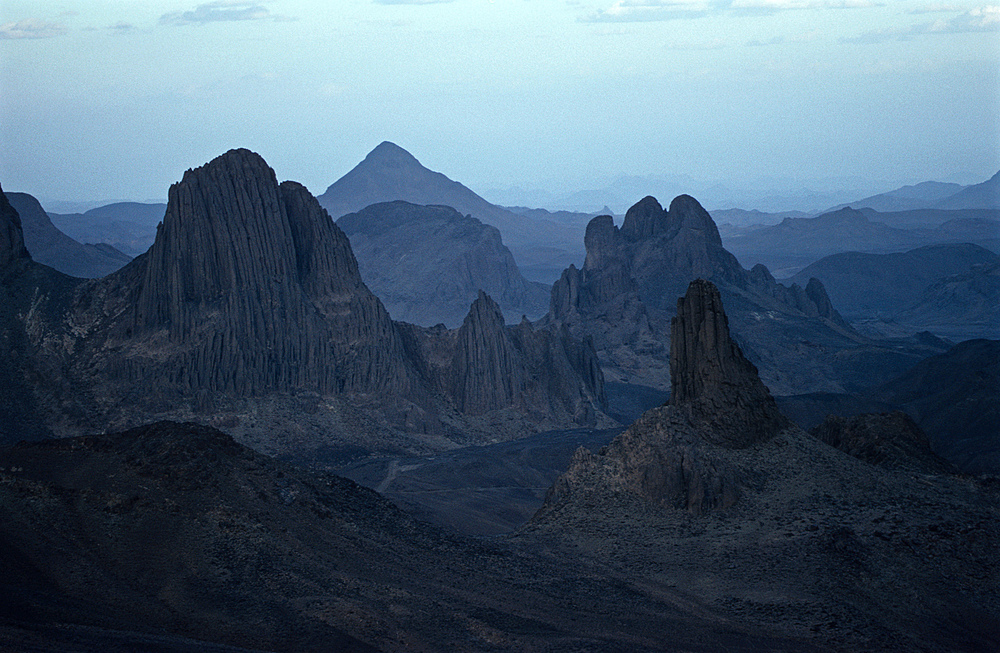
[(112, 101)]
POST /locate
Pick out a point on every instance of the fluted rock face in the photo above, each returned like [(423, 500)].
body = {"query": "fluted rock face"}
[(712, 379), (12, 247), (546, 373), (256, 290)]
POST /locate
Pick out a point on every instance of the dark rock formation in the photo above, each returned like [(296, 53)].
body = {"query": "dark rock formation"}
[(624, 296), (670, 456), (249, 311), (428, 263), (890, 440), (712, 379), (50, 246), (12, 247)]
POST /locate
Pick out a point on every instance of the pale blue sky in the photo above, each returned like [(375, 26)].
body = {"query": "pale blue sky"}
[(114, 100)]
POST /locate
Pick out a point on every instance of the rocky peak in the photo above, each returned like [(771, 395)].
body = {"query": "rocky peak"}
[(687, 213), (12, 247), (644, 220), (487, 373), (601, 238), (391, 155), (711, 378)]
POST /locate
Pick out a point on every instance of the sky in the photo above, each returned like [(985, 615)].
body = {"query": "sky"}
[(115, 100)]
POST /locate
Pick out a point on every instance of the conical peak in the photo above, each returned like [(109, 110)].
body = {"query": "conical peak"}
[(387, 153), (11, 234)]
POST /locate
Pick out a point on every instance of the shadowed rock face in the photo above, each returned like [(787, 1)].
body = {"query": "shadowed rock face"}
[(257, 290), (11, 235), (712, 379)]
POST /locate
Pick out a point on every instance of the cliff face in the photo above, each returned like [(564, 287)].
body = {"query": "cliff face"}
[(12, 247), (623, 298)]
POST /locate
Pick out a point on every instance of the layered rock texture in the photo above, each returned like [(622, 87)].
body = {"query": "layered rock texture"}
[(50, 246), (870, 545), (249, 307), (428, 263), (623, 297)]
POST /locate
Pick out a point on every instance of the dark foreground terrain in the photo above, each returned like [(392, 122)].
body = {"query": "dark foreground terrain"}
[(172, 535)]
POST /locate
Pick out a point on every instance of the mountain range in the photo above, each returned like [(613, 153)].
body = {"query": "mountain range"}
[(249, 307)]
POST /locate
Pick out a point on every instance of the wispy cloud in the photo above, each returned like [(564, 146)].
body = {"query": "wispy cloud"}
[(122, 27), (31, 28), (220, 11), (660, 10), (979, 19), (410, 2)]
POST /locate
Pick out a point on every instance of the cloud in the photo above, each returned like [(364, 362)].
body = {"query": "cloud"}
[(623, 11), (31, 28), (978, 20), (220, 11), (410, 2), (637, 11), (122, 28)]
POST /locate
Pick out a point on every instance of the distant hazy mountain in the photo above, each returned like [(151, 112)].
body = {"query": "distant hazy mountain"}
[(52, 247), (862, 284), (789, 246), (390, 173), (128, 226), (428, 263), (745, 218), (919, 196), (979, 196)]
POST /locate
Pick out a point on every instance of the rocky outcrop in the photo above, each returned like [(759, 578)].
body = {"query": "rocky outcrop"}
[(12, 247), (676, 455), (891, 440), (428, 263), (624, 297), (710, 377), (487, 372)]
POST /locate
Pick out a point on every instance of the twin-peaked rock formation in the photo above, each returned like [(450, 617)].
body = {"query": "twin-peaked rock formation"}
[(249, 311), (623, 298)]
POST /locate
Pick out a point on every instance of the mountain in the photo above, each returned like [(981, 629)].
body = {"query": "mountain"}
[(621, 298), (918, 196), (248, 309), (49, 246), (953, 397), (428, 263), (796, 242), (770, 525), (985, 195), (867, 286), (128, 226), (960, 306), (390, 173)]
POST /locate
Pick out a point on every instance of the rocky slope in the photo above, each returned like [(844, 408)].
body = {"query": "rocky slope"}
[(622, 297), (774, 526), (428, 263), (49, 246), (249, 311), (198, 543), (390, 173)]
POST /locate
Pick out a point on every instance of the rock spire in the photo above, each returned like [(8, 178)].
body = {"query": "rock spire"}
[(711, 378), (12, 247)]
